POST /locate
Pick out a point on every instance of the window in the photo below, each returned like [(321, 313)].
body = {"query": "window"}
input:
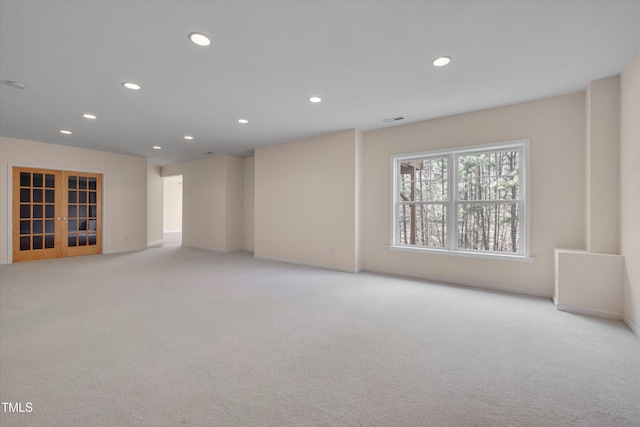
[(471, 200)]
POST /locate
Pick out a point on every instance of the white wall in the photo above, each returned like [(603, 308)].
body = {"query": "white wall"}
[(172, 204), (305, 201), (630, 189), (154, 204), (556, 128), (124, 188)]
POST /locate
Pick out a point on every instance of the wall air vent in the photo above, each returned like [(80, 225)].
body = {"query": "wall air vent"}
[(393, 119)]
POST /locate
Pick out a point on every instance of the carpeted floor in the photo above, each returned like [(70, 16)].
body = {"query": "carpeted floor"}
[(179, 336), (170, 239)]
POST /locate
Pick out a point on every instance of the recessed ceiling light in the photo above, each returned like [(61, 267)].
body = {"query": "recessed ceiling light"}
[(243, 121), (188, 137), (131, 85), (315, 99), (89, 116), (441, 61), (156, 147), (66, 132), (199, 39)]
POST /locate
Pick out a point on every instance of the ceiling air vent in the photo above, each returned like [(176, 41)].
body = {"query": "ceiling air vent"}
[(393, 119), (15, 85)]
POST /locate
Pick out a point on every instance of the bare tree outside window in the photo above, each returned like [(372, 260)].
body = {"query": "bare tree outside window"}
[(423, 194), (488, 188), (468, 200)]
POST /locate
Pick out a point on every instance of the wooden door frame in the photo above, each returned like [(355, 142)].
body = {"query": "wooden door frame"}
[(11, 166)]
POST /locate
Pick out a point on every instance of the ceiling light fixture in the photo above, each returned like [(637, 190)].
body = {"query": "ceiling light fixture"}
[(188, 137), (89, 116), (156, 147), (199, 39), (315, 99), (243, 121), (66, 132), (441, 61), (131, 85)]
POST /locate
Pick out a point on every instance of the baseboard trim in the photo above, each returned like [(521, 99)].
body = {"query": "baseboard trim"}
[(455, 282), (631, 325), (157, 242), (307, 264), (589, 312)]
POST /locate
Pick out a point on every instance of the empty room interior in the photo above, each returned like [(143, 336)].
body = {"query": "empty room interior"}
[(320, 213)]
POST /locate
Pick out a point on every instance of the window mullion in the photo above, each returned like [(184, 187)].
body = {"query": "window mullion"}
[(452, 231)]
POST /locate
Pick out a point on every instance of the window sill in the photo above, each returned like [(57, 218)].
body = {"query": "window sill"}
[(464, 254)]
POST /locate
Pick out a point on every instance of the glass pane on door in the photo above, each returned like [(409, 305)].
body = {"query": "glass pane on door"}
[(36, 204), (82, 210)]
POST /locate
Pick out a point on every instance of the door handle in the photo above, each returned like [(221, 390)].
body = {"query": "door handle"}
[(64, 218), (58, 218)]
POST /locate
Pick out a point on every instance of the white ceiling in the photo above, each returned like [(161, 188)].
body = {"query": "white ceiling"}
[(368, 60)]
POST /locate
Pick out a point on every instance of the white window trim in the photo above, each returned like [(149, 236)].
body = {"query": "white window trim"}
[(523, 145)]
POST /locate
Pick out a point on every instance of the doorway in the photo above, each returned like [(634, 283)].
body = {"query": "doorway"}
[(172, 211), (56, 214)]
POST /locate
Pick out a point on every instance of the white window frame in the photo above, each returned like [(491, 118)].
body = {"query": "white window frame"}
[(524, 201)]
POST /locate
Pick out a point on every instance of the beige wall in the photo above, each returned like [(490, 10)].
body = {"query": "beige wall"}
[(249, 194), (203, 209), (210, 211), (305, 201), (602, 163), (359, 199), (154, 204), (556, 129), (590, 281), (630, 189), (234, 202), (172, 204), (124, 188)]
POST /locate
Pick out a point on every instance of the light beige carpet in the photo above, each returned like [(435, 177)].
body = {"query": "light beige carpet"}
[(178, 336)]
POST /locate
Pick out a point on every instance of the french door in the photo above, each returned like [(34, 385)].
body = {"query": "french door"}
[(56, 214)]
